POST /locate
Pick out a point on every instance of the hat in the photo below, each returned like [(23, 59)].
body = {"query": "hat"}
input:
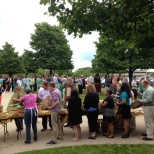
[(28, 90)]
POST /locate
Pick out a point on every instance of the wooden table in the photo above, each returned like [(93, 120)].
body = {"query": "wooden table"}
[(4, 121)]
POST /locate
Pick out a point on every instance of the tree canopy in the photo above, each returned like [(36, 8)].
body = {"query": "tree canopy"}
[(28, 59), (10, 62), (51, 46), (126, 29)]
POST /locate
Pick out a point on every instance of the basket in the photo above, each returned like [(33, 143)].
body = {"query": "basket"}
[(1, 108), (13, 109), (20, 110), (39, 107)]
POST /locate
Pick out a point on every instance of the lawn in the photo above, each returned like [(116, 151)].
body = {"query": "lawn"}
[(98, 149)]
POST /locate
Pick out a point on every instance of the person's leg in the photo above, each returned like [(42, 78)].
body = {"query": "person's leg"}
[(60, 133), (76, 133), (79, 131), (44, 123), (34, 124), (126, 126), (0, 99), (27, 118), (31, 87), (50, 125), (54, 126), (149, 119), (111, 129), (18, 123), (92, 120)]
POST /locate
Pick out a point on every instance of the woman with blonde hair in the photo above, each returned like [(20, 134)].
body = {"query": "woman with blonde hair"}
[(91, 109)]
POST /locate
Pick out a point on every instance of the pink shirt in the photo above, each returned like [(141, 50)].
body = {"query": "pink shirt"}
[(30, 101)]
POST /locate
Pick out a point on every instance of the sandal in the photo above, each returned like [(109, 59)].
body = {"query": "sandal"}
[(125, 135), (74, 139), (92, 137)]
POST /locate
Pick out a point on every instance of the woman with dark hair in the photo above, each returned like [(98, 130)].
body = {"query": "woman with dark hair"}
[(124, 103), (7, 82), (97, 82), (75, 114)]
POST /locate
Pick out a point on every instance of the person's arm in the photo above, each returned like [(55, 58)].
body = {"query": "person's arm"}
[(56, 101), (20, 100), (123, 99), (148, 97), (104, 103), (85, 101)]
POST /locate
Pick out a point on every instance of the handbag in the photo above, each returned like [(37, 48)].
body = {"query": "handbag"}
[(136, 105)]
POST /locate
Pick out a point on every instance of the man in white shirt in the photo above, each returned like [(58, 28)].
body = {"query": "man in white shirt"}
[(43, 93), (91, 78), (134, 87)]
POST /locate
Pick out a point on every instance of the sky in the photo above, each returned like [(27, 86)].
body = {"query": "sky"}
[(17, 19)]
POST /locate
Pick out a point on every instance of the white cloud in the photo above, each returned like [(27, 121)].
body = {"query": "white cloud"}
[(17, 19)]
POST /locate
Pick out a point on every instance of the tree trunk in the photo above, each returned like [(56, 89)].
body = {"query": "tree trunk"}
[(50, 71), (130, 73), (26, 75)]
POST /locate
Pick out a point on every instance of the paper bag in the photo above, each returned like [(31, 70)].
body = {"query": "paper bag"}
[(46, 103)]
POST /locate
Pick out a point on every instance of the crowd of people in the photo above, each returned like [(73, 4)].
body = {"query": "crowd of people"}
[(55, 88)]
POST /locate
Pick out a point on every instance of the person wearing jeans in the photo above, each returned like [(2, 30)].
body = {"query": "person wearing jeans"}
[(30, 114)]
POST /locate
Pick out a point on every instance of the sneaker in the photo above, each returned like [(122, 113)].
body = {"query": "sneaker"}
[(51, 142), (35, 139), (44, 129), (147, 139)]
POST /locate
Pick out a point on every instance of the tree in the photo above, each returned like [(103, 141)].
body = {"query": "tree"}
[(114, 56), (126, 22), (10, 62), (51, 46), (28, 59), (86, 71)]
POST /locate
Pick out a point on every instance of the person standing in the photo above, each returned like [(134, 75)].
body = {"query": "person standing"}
[(148, 106), (91, 79), (134, 87), (107, 81), (7, 83), (43, 94), (108, 113), (39, 81), (91, 108), (80, 83), (97, 82), (75, 113), (55, 80), (124, 103), (32, 83), (18, 121), (30, 114), (55, 110), (1, 91), (83, 84)]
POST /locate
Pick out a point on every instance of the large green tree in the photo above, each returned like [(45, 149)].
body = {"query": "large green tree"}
[(116, 56), (51, 46), (28, 59), (10, 62), (128, 23)]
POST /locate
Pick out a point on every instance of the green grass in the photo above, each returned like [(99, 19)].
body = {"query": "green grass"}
[(98, 149)]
